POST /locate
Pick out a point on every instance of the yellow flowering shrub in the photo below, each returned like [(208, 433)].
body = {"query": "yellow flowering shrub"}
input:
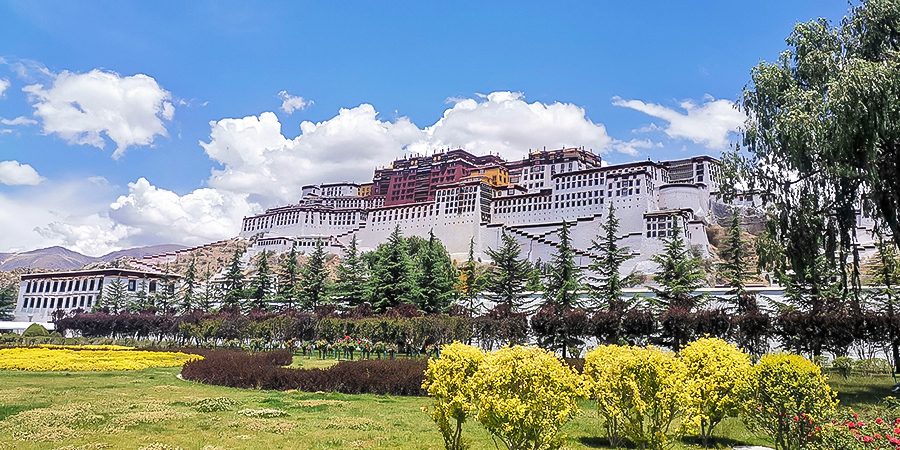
[(644, 391), (524, 395), (56, 359), (602, 370), (788, 397), (447, 379), (717, 371), (86, 347)]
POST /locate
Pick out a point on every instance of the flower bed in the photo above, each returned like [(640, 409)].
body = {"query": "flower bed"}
[(262, 371), (60, 358)]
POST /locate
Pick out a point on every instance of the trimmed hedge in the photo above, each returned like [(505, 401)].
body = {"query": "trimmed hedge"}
[(261, 371)]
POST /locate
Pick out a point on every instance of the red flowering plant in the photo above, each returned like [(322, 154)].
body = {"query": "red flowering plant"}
[(866, 431)]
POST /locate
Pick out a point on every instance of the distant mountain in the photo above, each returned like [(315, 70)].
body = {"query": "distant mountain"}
[(59, 258)]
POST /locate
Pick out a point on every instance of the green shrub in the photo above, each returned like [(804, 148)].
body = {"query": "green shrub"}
[(9, 338), (843, 365), (35, 330), (448, 380), (873, 366), (524, 396), (788, 397)]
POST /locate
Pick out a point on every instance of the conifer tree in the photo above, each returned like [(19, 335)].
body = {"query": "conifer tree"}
[(288, 279), (234, 281), (564, 277), (188, 294), (8, 297), (606, 287), (680, 273), (261, 285), (352, 280), (509, 274), (885, 273), (141, 299), (734, 269), (115, 296), (164, 299), (393, 275), (471, 281), (437, 277), (210, 292), (314, 278)]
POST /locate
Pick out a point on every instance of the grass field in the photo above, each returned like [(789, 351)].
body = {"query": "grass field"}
[(154, 409)]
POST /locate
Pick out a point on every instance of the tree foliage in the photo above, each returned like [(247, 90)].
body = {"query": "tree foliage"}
[(680, 273), (448, 380), (606, 286), (509, 273), (314, 283), (8, 297), (393, 279), (734, 269), (563, 279), (351, 285), (288, 279), (436, 276)]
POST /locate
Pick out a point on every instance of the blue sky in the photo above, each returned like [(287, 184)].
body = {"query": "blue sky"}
[(136, 123)]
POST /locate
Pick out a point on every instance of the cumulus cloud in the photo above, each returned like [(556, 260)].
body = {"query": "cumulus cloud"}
[(634, 146), (21, 120), (81, 107), (4, 84), (289, 103), (708, 123), (12, 173), (153, 215)]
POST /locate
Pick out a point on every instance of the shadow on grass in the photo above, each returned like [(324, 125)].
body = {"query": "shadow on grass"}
[(10, 410), (715, 442)]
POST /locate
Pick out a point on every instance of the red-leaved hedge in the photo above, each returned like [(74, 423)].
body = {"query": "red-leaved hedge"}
[(262, 371)]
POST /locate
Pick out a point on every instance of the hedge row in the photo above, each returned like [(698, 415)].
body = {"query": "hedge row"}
[(261, 371)]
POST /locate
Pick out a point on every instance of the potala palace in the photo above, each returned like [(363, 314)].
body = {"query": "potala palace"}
[(464, 197)]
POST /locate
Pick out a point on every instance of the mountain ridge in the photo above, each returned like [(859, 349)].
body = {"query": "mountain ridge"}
[(61, 258)]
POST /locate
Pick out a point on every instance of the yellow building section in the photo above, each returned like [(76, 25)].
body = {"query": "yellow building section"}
[(493, 175), (365, 190)]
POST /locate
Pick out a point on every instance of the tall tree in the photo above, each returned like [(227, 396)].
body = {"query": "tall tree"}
[(115, 295), (885, 274), (188, 293), (393, 276), (437, 279), (142, 299), (8, 297), (680, 273), (289, 279), (564, 278), (261, 284), (164, 299), (471, 281), (234, 281), (823, 135), (352, 276), (735, 268), (314, 278), (509, 274), (606, 286), (211, 291)]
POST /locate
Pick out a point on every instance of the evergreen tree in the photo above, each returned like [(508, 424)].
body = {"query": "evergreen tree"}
[(8, 296), (115, 296), (393, 276), (734, 269), (351, 284), (234, 281), (288, 278), (509, 275), (261, 285), (188, 295), (437, 278), (680, 273), (471, 281), (314, 278), (165, 292), (210, 292), (564, 277), (606, 287), (142, 299)]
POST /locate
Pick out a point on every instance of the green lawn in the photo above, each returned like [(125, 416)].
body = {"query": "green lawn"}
[(132, 410)]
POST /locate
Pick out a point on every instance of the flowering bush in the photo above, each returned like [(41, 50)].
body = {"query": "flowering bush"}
[(788, 397), (54, 359), (448, 380), (525, 394), (642, 391), (717, 370), (852, 432)]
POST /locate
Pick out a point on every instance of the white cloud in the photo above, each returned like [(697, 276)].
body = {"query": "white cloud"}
[(708, 123), (634, 146), (289, 103), (4, 84), (21, 120), (155, 215), (79, 107), (12, 173)]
